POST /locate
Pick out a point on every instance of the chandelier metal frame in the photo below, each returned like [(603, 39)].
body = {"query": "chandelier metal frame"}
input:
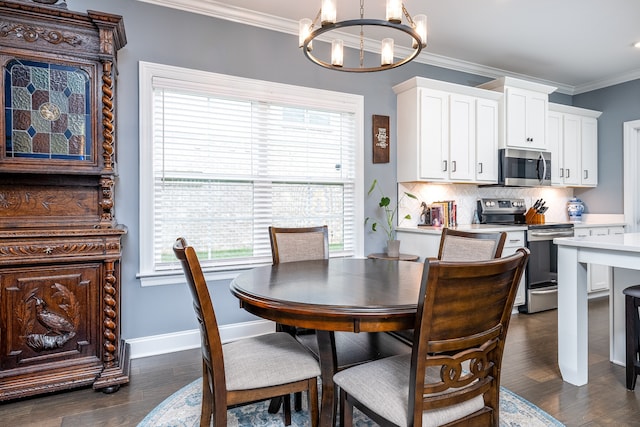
[(417, 45)]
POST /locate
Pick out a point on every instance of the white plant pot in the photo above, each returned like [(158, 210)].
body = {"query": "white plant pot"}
[(393, 248)]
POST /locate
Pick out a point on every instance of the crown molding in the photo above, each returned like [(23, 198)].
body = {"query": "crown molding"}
[(621, 78), (220, 10)]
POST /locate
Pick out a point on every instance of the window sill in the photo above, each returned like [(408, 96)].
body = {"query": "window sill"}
[(177, 277)]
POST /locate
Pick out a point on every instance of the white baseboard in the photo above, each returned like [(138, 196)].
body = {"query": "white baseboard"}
[(186, 340)]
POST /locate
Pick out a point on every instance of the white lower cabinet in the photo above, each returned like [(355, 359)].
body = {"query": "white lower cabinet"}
[(515, 240), (426, 245), (598, 276)]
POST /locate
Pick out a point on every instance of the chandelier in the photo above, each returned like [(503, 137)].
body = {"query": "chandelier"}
[(416, 29)]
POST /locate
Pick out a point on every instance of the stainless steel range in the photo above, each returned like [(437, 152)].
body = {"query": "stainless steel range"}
[(542, 269)]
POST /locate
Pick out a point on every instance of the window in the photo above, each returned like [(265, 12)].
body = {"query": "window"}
[(222, 158)]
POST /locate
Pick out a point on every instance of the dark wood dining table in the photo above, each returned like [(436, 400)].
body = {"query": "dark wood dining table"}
[(340, 294)]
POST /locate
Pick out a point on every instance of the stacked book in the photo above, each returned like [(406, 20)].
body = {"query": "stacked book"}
[(442, 214)]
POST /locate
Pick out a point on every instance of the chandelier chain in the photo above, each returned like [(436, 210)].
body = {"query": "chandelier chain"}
[(409, 19), (361, 34)]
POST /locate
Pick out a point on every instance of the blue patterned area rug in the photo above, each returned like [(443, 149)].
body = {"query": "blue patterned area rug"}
[(182, 409)]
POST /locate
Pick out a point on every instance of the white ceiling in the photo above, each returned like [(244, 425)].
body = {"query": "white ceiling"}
[(576, 45)]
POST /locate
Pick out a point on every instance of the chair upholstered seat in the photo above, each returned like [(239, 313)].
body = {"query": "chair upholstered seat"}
[(281, 360), (384, 385)]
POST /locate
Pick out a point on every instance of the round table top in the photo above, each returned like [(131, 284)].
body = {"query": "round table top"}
[(336, 294)]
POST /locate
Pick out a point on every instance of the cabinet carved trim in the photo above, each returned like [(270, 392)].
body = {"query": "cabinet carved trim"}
[(107, 114), (60, 243), (80, 248), (32, 34)]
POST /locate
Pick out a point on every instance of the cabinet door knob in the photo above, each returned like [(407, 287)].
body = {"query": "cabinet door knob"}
[(479, 167), (568, 173), (561, 172), (586, 174), (453, 166), (444, 166)]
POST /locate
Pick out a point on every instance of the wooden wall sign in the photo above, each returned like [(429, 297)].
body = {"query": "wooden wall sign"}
[(380, 139)]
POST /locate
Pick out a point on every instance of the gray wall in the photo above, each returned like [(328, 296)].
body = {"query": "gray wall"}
[(167, 36), (619, 104)]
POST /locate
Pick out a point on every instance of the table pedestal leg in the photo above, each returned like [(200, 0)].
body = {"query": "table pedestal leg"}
[(328, 367)]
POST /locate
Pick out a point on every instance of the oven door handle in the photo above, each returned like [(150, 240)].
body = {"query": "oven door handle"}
[(551, 234), (553, 290)]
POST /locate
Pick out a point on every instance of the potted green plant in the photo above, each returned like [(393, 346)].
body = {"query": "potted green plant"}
[(393, 245)]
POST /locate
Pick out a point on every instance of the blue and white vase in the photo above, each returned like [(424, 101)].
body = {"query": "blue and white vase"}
[(575, 208)]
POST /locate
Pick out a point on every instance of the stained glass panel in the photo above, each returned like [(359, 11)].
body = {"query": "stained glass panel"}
[(47, 111)]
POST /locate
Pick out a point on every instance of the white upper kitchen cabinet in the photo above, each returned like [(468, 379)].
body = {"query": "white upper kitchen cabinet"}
[(446, 132), (573, 140), (589, 153), (462, 137), (487, 114), (523, 113)]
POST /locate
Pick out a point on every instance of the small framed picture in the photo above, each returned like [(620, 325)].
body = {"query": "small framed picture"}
[(381, 139)]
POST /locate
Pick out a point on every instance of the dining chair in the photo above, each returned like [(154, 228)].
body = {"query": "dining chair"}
[(246, 370), (289, 244), (452, 375), (463, 246)]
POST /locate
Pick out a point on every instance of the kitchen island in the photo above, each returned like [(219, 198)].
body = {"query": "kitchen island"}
[(620, 251)]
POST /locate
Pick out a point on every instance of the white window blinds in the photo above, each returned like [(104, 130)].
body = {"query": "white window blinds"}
[(225, 167)]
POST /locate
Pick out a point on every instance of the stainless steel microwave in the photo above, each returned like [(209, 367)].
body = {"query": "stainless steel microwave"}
[(524, 168)]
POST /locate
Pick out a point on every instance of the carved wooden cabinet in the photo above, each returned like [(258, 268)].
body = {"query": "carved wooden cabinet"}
[(60, 243)]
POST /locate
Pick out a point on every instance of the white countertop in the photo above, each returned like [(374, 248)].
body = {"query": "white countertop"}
[(628, 242), (597, 224), (489, 228)]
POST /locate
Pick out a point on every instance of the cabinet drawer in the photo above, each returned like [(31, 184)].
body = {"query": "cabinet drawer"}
[(515, 239), (582, 232), (27, 250)]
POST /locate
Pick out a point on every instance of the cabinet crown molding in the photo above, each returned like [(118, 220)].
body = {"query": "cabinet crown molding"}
[(422, 82), (570, 109), (501, 82)]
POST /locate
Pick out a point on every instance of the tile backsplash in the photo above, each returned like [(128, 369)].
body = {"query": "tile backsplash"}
[(466, 196)]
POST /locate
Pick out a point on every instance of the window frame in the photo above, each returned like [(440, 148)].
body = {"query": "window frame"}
[(230, 86)]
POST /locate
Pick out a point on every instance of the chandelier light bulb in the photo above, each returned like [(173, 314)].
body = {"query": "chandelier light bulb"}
[(386, 54), (337, 53), (394, 11), (328, 12), (304, 29), (420, 22)]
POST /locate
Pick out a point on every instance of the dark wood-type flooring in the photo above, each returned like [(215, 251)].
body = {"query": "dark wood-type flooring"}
[(529, 370)]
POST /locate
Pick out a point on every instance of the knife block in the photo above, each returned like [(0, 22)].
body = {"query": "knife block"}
[(532, 217)]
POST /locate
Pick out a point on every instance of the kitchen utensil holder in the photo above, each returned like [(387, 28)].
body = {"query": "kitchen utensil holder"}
[(533, 217)]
